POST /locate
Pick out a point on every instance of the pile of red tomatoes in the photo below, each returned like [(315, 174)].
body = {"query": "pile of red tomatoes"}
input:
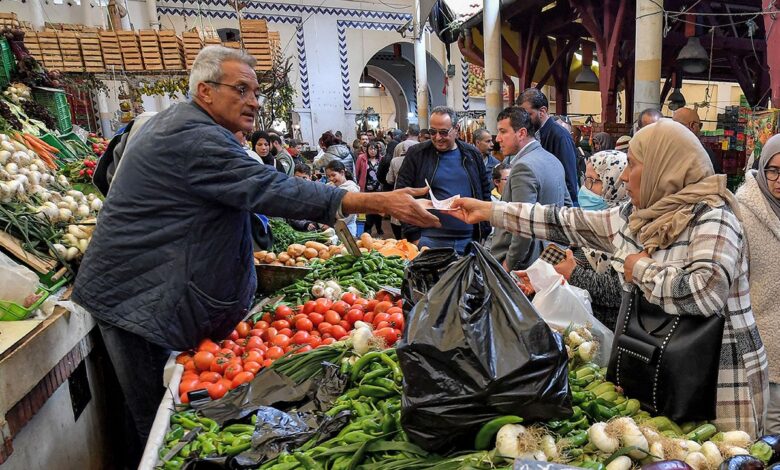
[(220, 367)]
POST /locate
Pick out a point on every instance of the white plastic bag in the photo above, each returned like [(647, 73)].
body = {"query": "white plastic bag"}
[(16, 281), (561, 304)]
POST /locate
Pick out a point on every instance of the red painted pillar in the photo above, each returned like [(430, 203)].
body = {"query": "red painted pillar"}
[(773, 50)]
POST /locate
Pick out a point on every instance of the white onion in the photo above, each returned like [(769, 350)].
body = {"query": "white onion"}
[(4, 156), (65, 214), (12, 168), (72, 253), (83, 211), (96, 205)]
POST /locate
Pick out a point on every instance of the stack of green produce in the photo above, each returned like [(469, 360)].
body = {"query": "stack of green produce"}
[(366, 275)]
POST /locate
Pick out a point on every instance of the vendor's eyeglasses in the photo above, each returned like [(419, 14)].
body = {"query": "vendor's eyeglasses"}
[(241, 89), (441, 132), (772, 173), (589, 182)]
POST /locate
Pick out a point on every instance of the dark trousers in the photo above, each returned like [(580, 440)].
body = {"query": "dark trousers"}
[(139, 368), (397, 231), (373, 220)]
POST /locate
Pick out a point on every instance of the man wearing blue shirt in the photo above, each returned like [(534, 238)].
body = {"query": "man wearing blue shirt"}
[(452, 167)]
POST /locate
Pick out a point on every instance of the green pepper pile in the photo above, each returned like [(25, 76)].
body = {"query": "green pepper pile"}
[(366, 273), (209, 441)]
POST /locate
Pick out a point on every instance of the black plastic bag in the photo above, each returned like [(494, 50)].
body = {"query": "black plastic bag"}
[(443, 20), (272, 389), (277, 432), (474, 348), (423, 272)]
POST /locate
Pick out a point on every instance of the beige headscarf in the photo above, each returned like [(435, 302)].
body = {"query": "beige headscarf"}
[(677, 175)]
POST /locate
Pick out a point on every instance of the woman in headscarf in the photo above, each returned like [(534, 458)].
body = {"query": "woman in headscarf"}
[(602, 141), (759, 200), (680, 242)]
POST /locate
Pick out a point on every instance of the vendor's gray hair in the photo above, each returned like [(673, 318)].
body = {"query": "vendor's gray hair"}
[(208, 65)]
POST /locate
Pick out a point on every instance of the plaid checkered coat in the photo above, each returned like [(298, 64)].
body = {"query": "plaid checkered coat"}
[(705, 272)]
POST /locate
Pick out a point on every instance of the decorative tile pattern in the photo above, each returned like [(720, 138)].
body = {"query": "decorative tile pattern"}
[(464, 82), (342, 25)]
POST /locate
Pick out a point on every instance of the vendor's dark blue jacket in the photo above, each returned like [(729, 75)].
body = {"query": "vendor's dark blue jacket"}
[(171, 257), (420, 164)]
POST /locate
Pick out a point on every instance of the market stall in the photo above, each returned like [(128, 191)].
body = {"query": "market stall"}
[(49, 355), (339, 371)]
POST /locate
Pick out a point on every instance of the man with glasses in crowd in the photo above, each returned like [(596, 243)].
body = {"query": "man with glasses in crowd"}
[(553, 138), (452, 167), (535, 176), (690, 119), (170, 262)]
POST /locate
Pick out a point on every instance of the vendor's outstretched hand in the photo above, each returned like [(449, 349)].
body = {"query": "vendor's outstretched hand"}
[(471, 211), (402, 205)]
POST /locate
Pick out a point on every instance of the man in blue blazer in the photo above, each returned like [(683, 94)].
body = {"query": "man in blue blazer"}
[(535, 176), (553, 137)]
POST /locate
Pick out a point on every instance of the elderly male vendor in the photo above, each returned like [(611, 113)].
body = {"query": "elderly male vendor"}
[(170, 262)]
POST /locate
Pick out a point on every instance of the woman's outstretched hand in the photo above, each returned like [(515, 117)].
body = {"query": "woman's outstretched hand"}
[(471, 211)]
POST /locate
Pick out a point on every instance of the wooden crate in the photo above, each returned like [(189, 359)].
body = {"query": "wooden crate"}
[(131, 50), (9, 19), (192, 45), (91, 52), (150, 49), (50, 50), (109, 47), (257, 42), (233, 44), (171, 49), (212, 42), (70, 48), (32, 45)]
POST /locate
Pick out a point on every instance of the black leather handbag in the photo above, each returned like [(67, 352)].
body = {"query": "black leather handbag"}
[(668, 362)]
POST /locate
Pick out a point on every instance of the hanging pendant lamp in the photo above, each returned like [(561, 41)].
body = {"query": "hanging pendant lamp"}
[(587, 75)]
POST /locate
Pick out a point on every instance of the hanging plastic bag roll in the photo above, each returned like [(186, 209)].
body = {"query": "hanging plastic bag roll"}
[(474, 348), (560, 304)]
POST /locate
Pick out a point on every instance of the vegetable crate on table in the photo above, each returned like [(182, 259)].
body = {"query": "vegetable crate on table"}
[(57, 104), (7, 63), (10, 311)]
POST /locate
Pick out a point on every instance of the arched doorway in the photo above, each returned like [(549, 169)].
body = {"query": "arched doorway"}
[(392, 66)]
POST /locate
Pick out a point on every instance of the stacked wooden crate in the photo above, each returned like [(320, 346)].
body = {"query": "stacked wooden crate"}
[(212, 41), (171, 49), (276, 42), (109, 46), (70, 48), (32, 45), (150, 49), (50, 50), (9, 20), (254, 36), (233, 44), (90, 50), (131, 50), (192, 45)]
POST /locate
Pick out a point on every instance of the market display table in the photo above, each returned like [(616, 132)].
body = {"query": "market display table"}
[(51, 404)]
